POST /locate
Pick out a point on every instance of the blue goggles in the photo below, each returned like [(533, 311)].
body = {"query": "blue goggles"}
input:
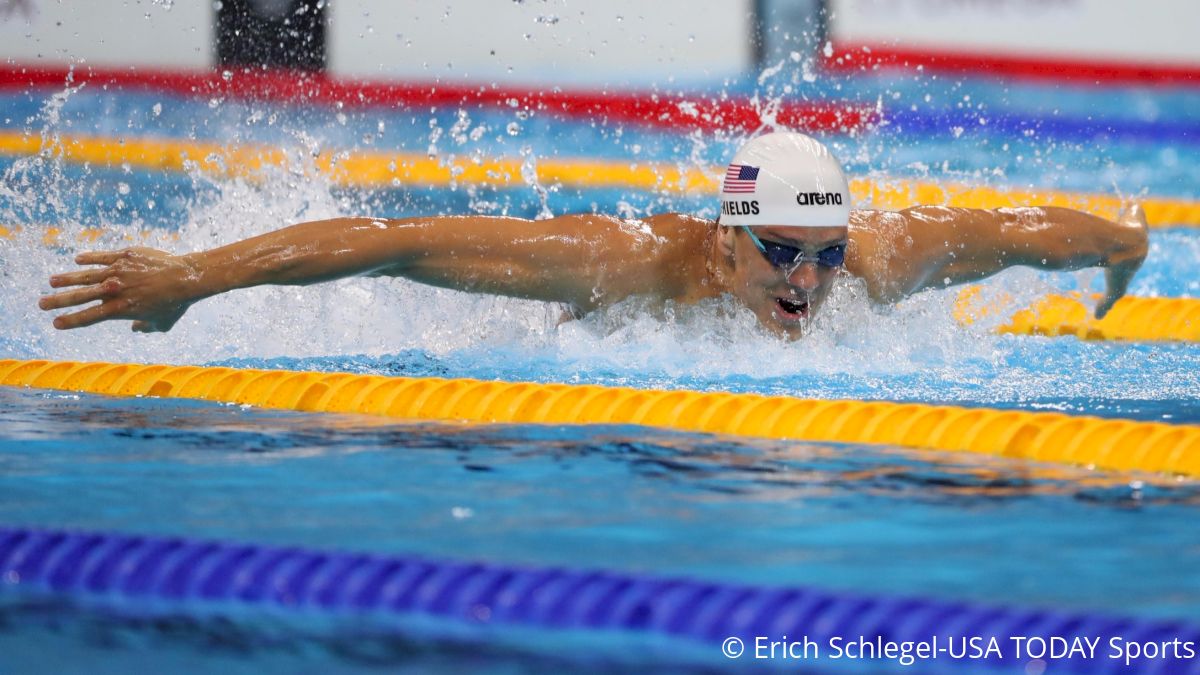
[(785, 257)]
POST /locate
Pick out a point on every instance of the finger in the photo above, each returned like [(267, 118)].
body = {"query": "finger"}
[(79, 278), (87, 317), (98, 257), (1107, 304), (1117, 282), (80, 296)]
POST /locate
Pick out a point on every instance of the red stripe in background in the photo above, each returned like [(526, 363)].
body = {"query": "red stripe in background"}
[(666, 111), (855, 57)]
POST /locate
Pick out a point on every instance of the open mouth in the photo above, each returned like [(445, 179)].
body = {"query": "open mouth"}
[(792, 309)]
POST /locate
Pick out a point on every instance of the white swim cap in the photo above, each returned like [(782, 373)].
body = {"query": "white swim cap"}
[(785, 178)]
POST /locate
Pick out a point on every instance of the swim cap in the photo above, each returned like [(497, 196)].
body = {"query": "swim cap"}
[(785, 178)]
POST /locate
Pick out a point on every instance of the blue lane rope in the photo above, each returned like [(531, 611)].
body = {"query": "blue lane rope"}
[(177, 570), (1067, 128)]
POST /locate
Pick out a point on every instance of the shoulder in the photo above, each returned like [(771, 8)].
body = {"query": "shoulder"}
[(651, 237), (880, 242), (680, 227), (662, 255)]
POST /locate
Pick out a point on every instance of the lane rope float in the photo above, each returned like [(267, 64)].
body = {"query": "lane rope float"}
[(1111, 444), (1130, 319), (172, 574), (375, 169), (678, 111)]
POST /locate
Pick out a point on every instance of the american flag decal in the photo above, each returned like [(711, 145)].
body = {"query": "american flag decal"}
[(740, 178)]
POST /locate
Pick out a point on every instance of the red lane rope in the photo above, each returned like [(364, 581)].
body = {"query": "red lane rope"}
[(707, 112), (854, 57)]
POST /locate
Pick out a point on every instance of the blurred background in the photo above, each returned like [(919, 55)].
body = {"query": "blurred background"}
[(618, 42)]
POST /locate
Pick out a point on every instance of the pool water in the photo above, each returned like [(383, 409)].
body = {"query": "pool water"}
[(876, 520), (873, 519)]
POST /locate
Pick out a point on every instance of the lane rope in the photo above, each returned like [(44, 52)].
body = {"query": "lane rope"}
[(676, 111), (1132, 318), (1111, 444), (375, 169), (172, 574)]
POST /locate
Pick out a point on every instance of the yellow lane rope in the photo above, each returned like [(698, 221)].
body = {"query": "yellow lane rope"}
[(1049, 437), (50, 235), (364, 168), (1131, 318)]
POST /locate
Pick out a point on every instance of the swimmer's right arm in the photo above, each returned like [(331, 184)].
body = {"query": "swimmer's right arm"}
[(564, 259)]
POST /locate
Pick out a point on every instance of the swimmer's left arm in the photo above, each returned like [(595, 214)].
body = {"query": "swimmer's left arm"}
[(933, 247)]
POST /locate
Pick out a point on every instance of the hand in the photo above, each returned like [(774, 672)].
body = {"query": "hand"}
[(1122, 264), (151, 287)]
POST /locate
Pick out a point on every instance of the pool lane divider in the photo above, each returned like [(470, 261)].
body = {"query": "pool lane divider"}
[(1110, 444), (651, 109), (169, 575), (1133, 319), (1046, 66), (952, 121), (380, 169)]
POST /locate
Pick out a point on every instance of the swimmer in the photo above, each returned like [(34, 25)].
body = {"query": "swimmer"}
[(785, 233)]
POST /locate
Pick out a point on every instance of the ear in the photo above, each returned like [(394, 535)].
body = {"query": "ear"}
[(725, 234)]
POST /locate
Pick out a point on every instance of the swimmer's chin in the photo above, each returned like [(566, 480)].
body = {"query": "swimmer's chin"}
[(788, 328)]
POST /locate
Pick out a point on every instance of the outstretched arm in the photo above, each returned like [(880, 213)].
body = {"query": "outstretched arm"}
[(933, 247), (583, 260)]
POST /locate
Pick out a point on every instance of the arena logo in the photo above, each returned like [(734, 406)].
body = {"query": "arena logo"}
[(819, 199)]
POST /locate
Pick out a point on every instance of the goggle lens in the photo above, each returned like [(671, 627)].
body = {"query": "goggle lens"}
[(781, 255)]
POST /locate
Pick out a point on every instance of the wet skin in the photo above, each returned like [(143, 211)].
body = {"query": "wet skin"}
[(590, 261)]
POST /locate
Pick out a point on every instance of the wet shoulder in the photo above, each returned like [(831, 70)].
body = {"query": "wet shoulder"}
[(877, 251), (683, 256), (681, 230)]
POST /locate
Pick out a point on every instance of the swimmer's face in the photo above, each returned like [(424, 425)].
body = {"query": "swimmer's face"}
[(783, 298)]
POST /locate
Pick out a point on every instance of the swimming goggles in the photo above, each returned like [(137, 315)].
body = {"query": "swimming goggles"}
[(790, 257)]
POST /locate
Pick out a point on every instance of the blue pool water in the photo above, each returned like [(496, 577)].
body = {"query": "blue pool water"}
[(872, 519)]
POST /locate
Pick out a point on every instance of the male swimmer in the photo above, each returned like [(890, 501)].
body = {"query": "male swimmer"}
[(786, 231)]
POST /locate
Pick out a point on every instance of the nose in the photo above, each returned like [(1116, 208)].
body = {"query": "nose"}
[(805, 277)]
